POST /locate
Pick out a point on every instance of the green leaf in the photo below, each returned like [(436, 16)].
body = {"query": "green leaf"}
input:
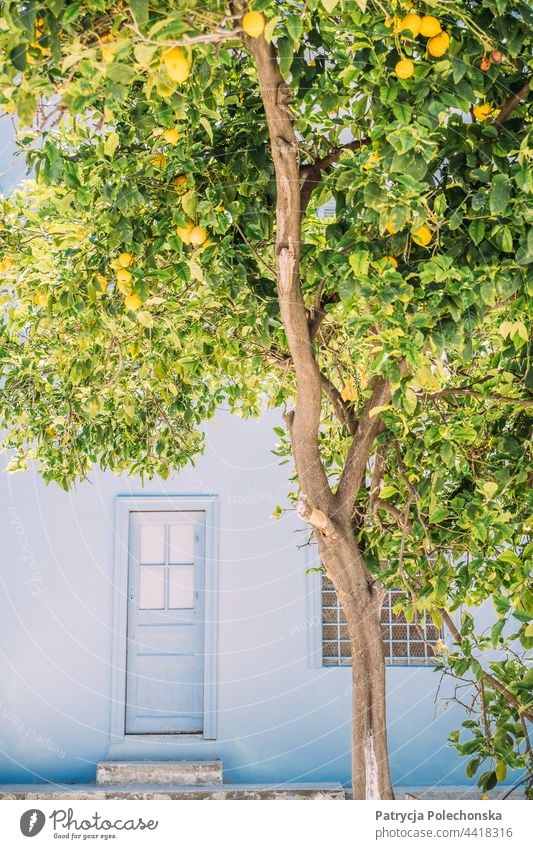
[(501, 604), (461, 666), (189, 203), (329, 5), (207, 127), (17, 57), (295, 27), (140, 11), (456, 220), (438, 515), (270, 26), (27, 14), (506, 238), (500, 194), (375, 411), (476, 229), (359, 262), (71, 13), (286, 53), (402, 140), (488, 488), (472, 767), (501, 771), (409, 401), (448, 454), (145, 318), (496, 632), (196, 271), (111, 144)]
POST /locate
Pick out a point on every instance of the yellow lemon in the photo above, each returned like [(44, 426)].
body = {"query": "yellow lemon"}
[(410, 22), (159, 161), (41, 299), (176, 64), (171, 136), (390, 228), (185, 232), (438, 45), (108, 53), (404, 69), (123, 277), (430, 26), (197, 236), (253, 23), (179, 184), (422, 236), (6, 263), (125, 260), (482, 112), (132, 302), (392, 259)]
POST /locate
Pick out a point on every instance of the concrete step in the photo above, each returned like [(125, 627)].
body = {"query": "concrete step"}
[(159, 772), (326, 790)]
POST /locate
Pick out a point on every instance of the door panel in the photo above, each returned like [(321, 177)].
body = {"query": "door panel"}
[(165, 652)]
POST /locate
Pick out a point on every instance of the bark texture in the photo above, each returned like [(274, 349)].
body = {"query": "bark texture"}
[(361, 600)]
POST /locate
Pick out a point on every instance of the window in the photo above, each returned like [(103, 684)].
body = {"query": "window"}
[(406, 644)]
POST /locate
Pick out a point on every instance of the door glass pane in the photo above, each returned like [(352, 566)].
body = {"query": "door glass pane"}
[(181, 587), (151, 588), (181, 544), (152, 544)]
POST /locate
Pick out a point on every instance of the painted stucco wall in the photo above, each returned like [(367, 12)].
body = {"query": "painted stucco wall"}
[(278, 717)]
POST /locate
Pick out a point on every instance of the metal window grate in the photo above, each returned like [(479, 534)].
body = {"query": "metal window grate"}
[(406, 644)]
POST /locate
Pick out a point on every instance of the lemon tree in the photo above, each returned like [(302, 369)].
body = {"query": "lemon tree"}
[(321, 205)]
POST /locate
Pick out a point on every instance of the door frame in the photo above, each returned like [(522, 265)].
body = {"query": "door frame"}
[(125, 505)]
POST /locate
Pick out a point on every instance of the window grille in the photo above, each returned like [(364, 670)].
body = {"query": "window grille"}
[(406, 644)]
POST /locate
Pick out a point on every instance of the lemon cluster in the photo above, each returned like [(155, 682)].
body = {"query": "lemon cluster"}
[(192, 235), (123, 276), (428, 26)]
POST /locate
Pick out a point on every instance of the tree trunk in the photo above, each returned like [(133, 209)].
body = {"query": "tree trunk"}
[(360, 599), (361, 602)]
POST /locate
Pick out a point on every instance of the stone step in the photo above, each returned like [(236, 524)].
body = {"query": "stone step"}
[(159, 772), (326, 790)]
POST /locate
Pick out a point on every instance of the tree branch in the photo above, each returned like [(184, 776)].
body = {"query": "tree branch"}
[(285, 155), (315, 517), (487, 677), (343, 411), (511, 104), (312, 174), (368, 428)]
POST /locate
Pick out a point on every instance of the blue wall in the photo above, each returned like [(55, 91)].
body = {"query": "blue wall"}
[(278, 717)]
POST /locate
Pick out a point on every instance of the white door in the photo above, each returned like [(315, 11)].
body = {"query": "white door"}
[(165, 643)]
